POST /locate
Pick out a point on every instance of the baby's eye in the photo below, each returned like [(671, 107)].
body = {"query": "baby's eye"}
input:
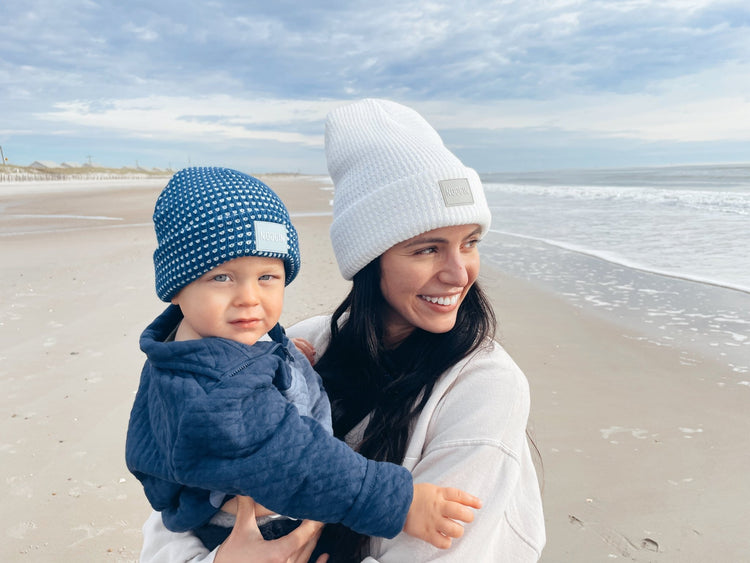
[(220, 278), (266, 277)]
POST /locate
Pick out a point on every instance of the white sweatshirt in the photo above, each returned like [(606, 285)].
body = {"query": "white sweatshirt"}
[(471, 435)]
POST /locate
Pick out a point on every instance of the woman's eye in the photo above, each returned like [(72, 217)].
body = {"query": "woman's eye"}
[(428, 250), (472, 243)]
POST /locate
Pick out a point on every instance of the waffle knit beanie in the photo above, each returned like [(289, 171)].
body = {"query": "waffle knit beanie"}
[(393, 179), (207, 216)]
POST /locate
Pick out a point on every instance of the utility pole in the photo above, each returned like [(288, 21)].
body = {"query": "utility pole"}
[(2, 155)]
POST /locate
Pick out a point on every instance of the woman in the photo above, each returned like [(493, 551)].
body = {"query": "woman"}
[(408, 358)]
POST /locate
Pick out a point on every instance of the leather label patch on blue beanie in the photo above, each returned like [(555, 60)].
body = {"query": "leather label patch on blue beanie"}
[(270, 237), (456, 192)]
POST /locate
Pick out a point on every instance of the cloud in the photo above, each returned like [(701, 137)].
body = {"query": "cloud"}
[(705, 106), (473, 50), (682, 109), (212, 117), (142, 33)]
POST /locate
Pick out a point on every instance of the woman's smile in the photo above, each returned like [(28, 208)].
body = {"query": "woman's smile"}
[(447, 300)]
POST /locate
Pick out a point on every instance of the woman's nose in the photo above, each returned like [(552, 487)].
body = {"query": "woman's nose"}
[(453, 271)]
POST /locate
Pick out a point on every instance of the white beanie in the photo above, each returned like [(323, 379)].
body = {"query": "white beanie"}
[(393, 180)]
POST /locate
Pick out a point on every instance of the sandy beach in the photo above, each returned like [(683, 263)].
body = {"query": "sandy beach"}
[(643, 455)]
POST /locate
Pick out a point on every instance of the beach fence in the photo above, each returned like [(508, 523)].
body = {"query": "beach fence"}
[(25, 176)]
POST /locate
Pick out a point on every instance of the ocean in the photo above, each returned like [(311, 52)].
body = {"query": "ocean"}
[(662, 251)]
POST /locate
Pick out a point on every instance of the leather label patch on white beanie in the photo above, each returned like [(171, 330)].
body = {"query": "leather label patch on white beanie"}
[(456, 192)]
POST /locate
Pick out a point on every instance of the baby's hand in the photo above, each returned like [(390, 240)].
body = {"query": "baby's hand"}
[(306, 348), (434, 511)]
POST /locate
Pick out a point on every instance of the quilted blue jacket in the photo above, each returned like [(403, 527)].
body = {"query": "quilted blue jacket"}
[(209, 416)]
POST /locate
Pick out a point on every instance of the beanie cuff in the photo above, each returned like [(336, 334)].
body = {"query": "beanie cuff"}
[(404, 209), (178, 263)]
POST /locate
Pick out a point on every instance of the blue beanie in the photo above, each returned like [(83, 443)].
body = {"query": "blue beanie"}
[(207, 216)]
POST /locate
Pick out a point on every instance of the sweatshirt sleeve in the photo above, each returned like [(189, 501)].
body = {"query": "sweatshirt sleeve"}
[(161, 545), (247, 439)]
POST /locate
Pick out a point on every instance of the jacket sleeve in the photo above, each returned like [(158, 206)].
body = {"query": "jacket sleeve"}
[(247, 439), (320, 406), (473, 437)]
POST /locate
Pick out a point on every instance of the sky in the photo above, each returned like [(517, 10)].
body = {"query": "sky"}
[(510, 85)]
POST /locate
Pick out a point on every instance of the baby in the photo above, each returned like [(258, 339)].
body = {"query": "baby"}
[(228, 406)]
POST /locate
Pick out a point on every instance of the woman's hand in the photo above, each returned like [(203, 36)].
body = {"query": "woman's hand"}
[(231, 505), (306, 348), (246, 544)]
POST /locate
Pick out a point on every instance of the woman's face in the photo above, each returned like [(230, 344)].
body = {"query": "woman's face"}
[(424, 280)]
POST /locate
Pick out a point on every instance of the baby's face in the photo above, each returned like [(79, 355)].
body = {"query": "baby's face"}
[(240, 300)]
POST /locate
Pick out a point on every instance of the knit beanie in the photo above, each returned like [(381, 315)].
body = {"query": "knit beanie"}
[(207, 216), (393, 180)]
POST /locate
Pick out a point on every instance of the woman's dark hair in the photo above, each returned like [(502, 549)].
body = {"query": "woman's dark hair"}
[(363, 377)]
